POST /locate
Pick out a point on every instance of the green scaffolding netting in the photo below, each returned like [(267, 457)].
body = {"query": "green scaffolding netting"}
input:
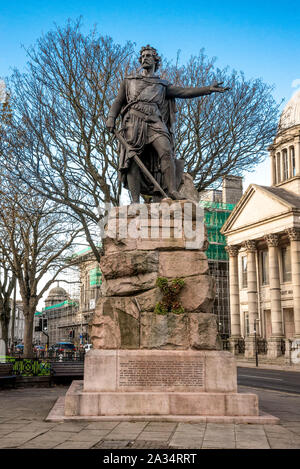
[(214, 235), (95, 276), (60, 305), (214, 218), (217, 252), (215, 215), (216, 205)]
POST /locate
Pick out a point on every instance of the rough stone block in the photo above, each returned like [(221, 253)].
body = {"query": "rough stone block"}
[(116, 323), (168, 331), (129, 285), (117, 245), (203, 331), (182, 264), (105, 332), (147, 301), (161, 244), (198, 294), (125, 264)]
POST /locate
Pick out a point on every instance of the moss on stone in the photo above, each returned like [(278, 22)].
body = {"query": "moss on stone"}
[(170, 289)]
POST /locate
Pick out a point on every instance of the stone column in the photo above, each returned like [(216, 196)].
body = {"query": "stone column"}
[(252, 297), (234, 293), (294, 235), (273, 167), (274, 342)]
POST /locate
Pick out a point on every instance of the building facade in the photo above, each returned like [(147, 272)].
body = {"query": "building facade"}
[(68, 318), (61, 314), (90, 288), (218, 205), (263, 238), (16, 324)]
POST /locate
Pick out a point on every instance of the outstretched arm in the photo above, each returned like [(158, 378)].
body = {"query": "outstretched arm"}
[(193, 92), (116, 108)]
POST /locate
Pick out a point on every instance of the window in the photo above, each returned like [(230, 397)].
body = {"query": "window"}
[(285, 165), (286, 264), (293, 163), (247, 328), (244, 272), (278, 168), (264, 264)]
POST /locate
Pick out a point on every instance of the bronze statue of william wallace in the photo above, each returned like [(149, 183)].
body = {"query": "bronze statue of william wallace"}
[(147, 106)]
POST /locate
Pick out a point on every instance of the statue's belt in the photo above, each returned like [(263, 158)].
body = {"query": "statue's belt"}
[(151, 118)]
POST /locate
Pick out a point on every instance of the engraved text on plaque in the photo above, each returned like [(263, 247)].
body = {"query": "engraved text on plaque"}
[(160, 372)]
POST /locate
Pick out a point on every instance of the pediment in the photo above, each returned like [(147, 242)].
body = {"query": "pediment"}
[(256, 205)]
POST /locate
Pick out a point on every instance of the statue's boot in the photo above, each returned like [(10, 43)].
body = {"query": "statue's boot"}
[(133, 181), (170, 180), (135, 195)]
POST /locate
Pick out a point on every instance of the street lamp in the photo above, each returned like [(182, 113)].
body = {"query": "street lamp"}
[(255, 339)]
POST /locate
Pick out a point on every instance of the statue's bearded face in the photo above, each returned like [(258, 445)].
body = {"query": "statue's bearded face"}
[(147, 59)]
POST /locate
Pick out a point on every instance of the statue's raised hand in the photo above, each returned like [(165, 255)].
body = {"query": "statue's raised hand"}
[(216, 87)]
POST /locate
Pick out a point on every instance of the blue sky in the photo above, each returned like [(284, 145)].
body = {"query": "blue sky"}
[(259, 38)]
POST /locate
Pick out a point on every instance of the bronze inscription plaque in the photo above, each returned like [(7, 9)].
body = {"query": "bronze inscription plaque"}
[(161, 372)]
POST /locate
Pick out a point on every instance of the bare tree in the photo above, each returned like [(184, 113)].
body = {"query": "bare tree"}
[(222, 134), (36, 238), (58, 141), (7, 277), (7, 286)]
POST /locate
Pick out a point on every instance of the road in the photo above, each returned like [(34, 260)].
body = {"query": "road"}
[(277, 380)]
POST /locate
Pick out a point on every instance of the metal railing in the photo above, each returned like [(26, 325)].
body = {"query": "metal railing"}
[(262, 346), (40, 366)]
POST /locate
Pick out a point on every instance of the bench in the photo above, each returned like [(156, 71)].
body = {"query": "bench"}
[(6, 374), (68, 369)]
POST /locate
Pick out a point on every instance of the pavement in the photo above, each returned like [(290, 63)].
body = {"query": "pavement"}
[(23, 412), (279, 363)]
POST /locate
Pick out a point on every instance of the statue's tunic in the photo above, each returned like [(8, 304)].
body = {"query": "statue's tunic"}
[(147, 107)]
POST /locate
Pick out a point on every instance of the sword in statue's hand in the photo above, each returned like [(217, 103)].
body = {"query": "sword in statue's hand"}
[(141, 165)]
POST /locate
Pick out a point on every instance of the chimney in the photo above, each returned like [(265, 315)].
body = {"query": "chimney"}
[(232, 189)]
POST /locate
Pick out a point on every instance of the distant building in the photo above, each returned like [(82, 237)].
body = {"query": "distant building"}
[(90, 287), (62, 316), (263, 237), (218, 205), (38, 337), (67, 318), (16, 324)]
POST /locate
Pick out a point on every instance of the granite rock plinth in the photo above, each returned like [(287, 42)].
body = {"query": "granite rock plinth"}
[(144, 243)]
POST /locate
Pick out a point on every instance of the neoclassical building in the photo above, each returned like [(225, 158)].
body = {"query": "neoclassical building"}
[(263, 243)]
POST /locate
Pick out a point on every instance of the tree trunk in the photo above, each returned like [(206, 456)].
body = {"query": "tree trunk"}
[(4, 330), (4, 319), (28, 335), (13, 318)]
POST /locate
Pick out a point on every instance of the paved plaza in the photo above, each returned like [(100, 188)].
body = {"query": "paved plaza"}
[(23, 412)]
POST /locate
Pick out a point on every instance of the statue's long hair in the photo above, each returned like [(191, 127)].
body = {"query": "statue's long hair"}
[(157, 58)]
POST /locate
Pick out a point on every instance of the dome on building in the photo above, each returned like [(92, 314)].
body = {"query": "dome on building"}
[(290, 116), (57, 292)]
